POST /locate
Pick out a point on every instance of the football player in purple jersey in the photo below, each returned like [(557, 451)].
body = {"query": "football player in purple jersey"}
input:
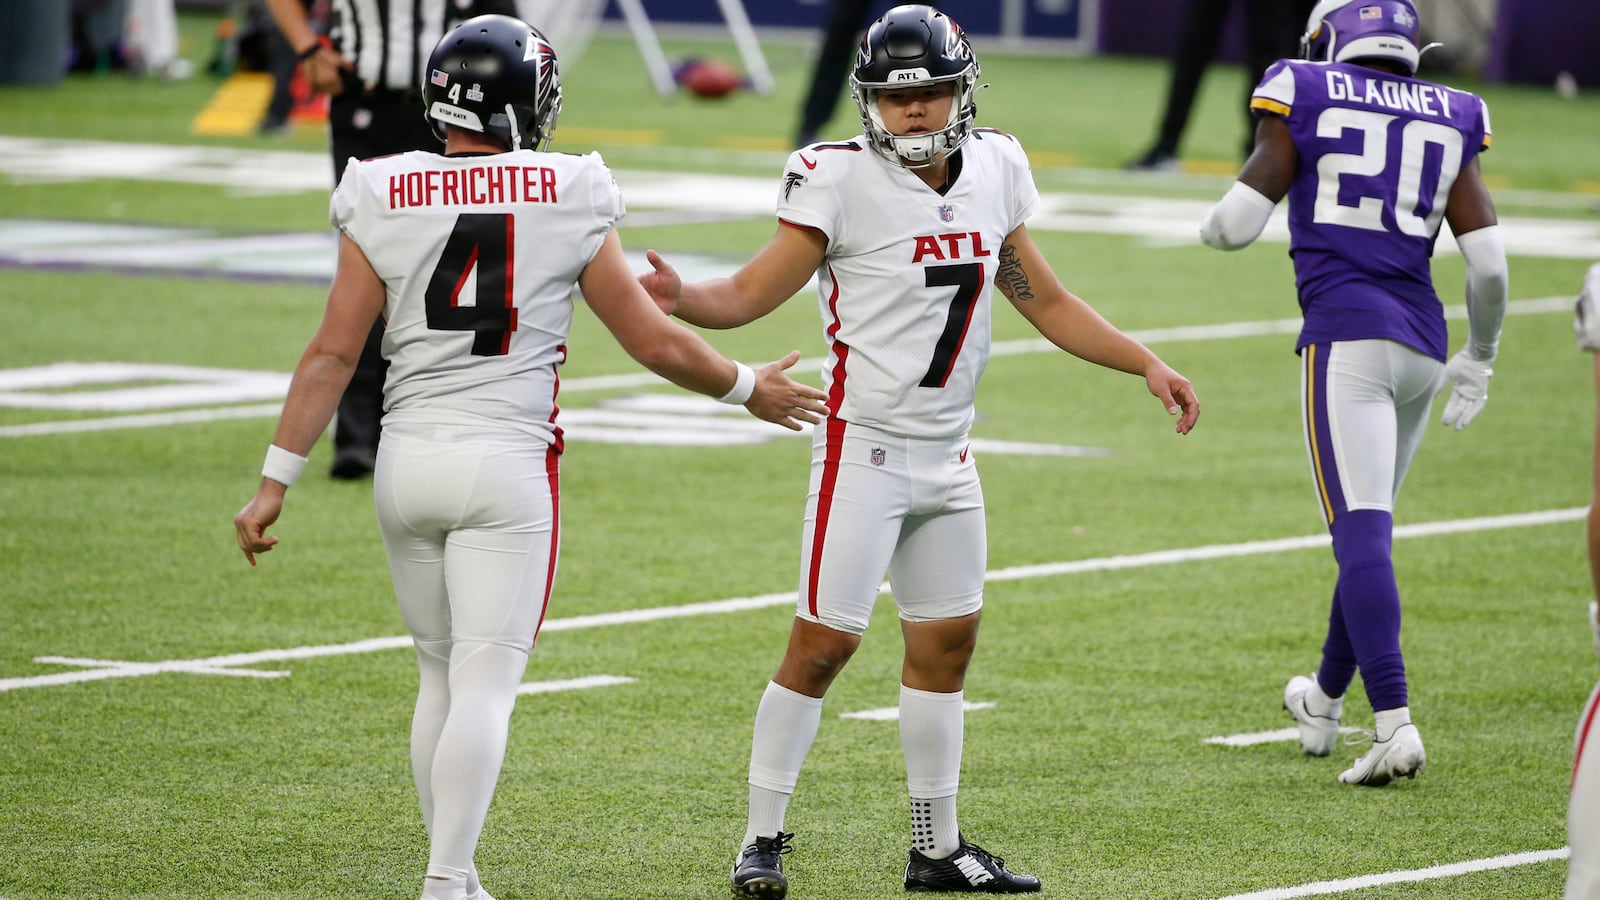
[(1372, 160), (1583, 806)]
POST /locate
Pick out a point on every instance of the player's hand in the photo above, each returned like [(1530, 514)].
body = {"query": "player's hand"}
[(782, 401), (1586, 314), (1594, 620), (663, 285), (251, 523), (1471, 379), (325, 71), (1176, 395)]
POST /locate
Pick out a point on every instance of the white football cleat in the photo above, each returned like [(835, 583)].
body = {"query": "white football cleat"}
[(1318, 734), (1401, 756)]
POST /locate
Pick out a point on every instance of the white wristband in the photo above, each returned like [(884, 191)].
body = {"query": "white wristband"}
[(282, 466), (744, 384)]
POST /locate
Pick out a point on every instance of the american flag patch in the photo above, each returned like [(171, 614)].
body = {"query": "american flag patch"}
[(1371, 12), (441, 79)]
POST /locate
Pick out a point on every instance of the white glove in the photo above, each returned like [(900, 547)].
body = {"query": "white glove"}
[(1471, 379), (1586, 315), (1594, 619)]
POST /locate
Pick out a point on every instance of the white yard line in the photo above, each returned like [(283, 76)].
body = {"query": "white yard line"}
[(1224, 331), (98, 669), (573, 684), (892, 713), (1264, 737), (1344, 885)]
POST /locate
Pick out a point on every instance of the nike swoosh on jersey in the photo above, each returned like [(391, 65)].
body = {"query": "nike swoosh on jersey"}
[(808, 163)]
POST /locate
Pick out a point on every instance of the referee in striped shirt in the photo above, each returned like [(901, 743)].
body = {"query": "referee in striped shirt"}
[(370, 64)]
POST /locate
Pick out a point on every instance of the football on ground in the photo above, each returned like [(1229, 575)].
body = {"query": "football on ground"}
[(708, 78)]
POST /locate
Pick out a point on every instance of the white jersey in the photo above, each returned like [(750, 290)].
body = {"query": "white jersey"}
[(906, 285), (479, 256)]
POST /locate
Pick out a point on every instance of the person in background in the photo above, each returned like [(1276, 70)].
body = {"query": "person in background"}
[(840, 35), (1270, 29), (152, 39), (281, 64), (908, 228), (468, 472), (370, 64), (1583, 805), (1372, 160)]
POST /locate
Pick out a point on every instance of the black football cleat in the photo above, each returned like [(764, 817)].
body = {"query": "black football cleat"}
[(758, 872), (971, 869)]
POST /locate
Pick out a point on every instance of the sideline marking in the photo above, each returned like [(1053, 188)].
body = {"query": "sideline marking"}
[(576, 417), (1265, 737), (892, 713), (1446, 870), (119, 669), (573, 684)]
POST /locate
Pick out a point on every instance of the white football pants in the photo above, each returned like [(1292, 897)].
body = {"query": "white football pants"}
[(880, 503), (470, 523)]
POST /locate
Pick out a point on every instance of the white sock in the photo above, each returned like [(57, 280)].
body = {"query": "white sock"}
[(932, 727), (786, 724), (1390, 720), (427, 719), (483, 689)]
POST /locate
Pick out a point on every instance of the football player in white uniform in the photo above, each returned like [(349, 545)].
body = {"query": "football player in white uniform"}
[(471, 257), (1583, 807), (907, 227)]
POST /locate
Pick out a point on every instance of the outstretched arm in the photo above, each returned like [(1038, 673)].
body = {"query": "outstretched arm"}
[(1073, 325), (354, 303), (683, 357), (774, 275), (1592, 526)]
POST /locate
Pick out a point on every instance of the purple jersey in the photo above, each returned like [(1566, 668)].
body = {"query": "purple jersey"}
[(1378, 154)]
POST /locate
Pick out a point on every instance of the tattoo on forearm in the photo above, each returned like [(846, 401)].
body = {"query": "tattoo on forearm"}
[(1011, 278)]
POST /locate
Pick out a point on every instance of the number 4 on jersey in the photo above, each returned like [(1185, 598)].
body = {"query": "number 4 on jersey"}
[(481, 242)]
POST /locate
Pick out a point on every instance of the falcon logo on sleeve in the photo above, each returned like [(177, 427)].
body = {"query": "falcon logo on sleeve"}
[(790, 181)]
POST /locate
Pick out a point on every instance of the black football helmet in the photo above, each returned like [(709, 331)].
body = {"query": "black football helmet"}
[(496, 75), (915, 45)]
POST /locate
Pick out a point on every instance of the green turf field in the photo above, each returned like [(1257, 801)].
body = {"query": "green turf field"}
[(176, 724)]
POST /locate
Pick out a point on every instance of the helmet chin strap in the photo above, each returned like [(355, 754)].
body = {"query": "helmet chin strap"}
[(919, 150), (516, 133)]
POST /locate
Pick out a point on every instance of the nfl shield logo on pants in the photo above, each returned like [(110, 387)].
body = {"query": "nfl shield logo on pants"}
[(879, 455)]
